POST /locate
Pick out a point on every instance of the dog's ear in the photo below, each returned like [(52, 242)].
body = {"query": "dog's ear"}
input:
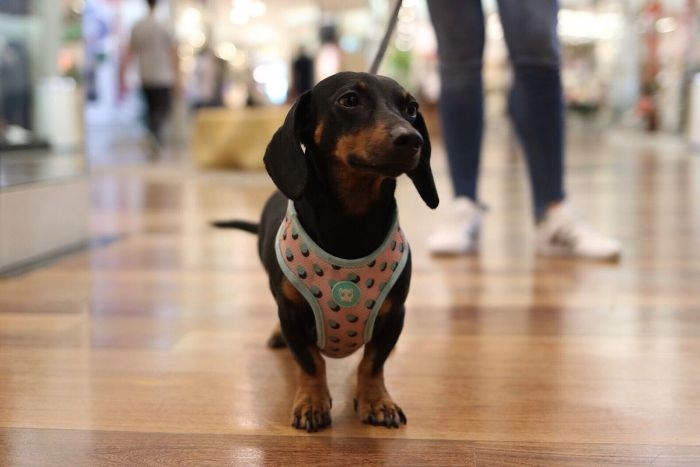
[(422, 175), (284, 159)]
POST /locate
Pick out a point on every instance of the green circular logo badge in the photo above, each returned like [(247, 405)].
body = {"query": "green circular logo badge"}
[(346, 294)]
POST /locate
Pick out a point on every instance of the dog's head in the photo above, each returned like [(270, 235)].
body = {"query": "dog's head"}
[(357, 124)]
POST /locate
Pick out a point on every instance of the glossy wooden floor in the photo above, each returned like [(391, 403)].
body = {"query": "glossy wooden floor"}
[(150, 348)]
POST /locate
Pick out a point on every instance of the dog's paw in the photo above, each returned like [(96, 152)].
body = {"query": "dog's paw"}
[(312, 411), (380, 411)]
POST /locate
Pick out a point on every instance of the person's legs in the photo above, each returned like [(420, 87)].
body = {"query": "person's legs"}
[(536, 101), (536, 106), (459, 28), (157, 109), (162, 110), (150, 96)]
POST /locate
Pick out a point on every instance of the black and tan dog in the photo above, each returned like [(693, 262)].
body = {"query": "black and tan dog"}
[(335, 161)]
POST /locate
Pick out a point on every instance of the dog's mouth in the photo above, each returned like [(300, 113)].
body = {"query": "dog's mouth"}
[(390, 168)]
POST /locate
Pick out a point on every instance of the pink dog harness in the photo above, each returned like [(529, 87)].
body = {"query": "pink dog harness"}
[(345, 294)]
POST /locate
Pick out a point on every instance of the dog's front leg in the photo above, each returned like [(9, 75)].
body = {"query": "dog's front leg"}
[(312, 403), (373, 401)]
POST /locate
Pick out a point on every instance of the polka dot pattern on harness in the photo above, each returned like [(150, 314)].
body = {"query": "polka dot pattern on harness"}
[(346, 292)]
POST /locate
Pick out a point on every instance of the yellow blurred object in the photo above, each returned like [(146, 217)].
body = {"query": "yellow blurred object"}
[(234, 138)]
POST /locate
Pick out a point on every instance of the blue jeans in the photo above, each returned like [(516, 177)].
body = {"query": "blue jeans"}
[(535, 102)]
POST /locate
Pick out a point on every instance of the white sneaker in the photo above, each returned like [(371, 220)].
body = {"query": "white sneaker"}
[(459, 232), (561, 234)]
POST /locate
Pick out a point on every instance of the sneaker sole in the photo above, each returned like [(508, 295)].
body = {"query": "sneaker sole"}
[(565, 253)]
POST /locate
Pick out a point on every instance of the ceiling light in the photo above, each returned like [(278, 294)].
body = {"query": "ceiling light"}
[(226, 51), (238, 16)]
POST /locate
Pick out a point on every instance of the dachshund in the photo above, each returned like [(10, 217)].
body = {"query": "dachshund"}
[(338, 263)]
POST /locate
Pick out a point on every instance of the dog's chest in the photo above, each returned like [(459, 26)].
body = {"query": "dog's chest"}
[(345, 295)]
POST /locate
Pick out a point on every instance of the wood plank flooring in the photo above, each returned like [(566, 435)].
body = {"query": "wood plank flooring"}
[(150, 349)]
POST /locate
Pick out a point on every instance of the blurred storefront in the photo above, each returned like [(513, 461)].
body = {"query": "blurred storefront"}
[(40, 63), (629, 62), (255, 39), (43, 184), (624, 61)]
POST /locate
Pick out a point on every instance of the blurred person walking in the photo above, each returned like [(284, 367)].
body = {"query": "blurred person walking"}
[(158, 65), (536, 107)]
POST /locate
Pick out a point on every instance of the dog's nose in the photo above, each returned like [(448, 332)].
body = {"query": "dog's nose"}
[(406, 138)]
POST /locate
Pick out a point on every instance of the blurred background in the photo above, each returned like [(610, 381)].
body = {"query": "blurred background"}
[(628, 64)]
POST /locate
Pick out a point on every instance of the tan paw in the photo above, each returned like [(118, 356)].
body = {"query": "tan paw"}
[(380, 411), (312, 410)]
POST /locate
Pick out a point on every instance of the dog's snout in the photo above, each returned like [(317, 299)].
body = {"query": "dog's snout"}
[(406, 138)]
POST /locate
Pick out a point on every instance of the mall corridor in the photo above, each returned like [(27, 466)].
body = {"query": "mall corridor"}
[(149, 348), (133, 333)]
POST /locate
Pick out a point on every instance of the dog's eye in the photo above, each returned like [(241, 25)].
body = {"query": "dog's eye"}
[(412, 110), (350, 99)]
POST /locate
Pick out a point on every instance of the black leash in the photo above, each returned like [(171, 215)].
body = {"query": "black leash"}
[(385, 41)]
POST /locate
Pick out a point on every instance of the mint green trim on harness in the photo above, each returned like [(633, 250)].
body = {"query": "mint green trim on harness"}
[(311, 292)]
